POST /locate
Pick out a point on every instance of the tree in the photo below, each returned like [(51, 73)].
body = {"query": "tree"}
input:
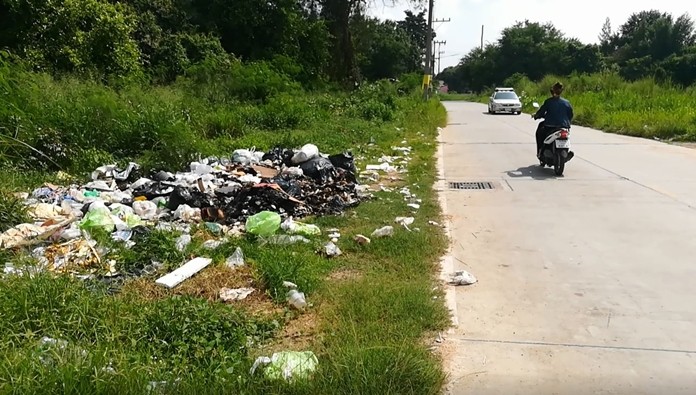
[(606, 38), (384, 49), (84, 36), (654, 34)]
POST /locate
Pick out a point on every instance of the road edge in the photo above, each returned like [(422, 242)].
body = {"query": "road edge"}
[(447, 261)]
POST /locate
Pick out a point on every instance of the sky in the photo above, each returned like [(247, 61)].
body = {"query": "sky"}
[(579, 19)]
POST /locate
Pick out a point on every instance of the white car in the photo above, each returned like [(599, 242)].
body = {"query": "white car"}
[(504, 100)]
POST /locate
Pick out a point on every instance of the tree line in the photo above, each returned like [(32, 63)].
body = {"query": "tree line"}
[(158, 40), (649, 44)]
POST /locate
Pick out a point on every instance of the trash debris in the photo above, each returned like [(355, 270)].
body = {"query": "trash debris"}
[(296, 299), (236, 259), (287, 365), (383, 232), (187, 270), (98, 218), (384, 166), (320, 169), (306, 153), (293, 227), (405, 221), (145, 209), (183, 241), (331, 249), (414, 206), (463, 277), (212, 244), (228, 294), (362, 240), (249, 191), (285, 239), (264, 223), (433, 223)]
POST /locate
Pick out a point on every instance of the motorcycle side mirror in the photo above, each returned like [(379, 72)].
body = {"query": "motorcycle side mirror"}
[(535, 105)]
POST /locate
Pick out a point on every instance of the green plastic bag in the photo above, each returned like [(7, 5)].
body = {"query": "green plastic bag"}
[(264, 223), (288, 365), (99, 218)]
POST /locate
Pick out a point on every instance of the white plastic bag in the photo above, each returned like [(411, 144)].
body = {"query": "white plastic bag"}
[(307, 152), (383, 232), (183, 241), (463, 277), (245, 156), (236, 259), (186, 213), (296, 299), (145, 209)]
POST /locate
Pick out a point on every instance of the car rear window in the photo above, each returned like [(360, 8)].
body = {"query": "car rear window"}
[(505, 95)]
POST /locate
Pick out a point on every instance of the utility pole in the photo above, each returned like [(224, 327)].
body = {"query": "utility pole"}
[(439, 57), (439, 54), (482, 37), (428, 51), (428, 68)]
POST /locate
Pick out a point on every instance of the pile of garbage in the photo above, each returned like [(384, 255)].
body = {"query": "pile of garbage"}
[(292, 183)]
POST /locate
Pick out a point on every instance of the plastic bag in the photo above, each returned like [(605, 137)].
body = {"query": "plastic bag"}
[(228, 294), (383, 232), (145, 209), (296, 299), (463, 277), (236, 259), (307, 152), (319, 169), (286, 239), (187, 214), (288, 365), (98, 218), (293, 227), (264, 223), (331, 249), (183, 241), (293, 171), (244, 156)]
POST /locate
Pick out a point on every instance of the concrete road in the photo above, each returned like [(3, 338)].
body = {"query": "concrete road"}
[(587, 283)]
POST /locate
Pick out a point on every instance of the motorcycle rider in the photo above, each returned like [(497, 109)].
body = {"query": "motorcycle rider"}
[(557, 113)]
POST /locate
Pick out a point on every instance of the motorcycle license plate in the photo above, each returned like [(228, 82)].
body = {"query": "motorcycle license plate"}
[(562, 144)]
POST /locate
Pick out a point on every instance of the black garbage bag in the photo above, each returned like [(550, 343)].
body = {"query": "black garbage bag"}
[(153, 190), (192, 197), (162, 176), (253, 199), (290, 186), (320, 169), (279, 156), (344, 160)]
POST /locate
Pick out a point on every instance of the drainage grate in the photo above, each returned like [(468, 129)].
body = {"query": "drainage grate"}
[(471, 185)]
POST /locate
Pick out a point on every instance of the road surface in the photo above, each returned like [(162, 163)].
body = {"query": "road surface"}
[(587, 283)]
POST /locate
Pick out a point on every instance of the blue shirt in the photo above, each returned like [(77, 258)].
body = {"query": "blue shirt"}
[(556, 111)]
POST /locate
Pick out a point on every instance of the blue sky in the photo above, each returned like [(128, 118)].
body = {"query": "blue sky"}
[(580, 19)]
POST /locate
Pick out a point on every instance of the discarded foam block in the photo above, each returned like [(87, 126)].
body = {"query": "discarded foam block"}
[(171, 280)]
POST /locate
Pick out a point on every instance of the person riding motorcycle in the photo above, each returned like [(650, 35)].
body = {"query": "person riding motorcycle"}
[(557, 113)]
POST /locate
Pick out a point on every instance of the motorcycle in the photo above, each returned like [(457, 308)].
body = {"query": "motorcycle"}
[(556, 149)]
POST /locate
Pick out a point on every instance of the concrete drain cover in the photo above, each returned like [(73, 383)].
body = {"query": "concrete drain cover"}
[(471, 185)]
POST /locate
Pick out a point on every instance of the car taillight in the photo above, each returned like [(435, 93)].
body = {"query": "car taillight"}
[(564, 134)]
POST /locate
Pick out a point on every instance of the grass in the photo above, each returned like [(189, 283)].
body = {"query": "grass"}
[(369, 329), (644, 108)]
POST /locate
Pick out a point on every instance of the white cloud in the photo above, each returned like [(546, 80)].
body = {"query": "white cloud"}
[(580, 19)]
